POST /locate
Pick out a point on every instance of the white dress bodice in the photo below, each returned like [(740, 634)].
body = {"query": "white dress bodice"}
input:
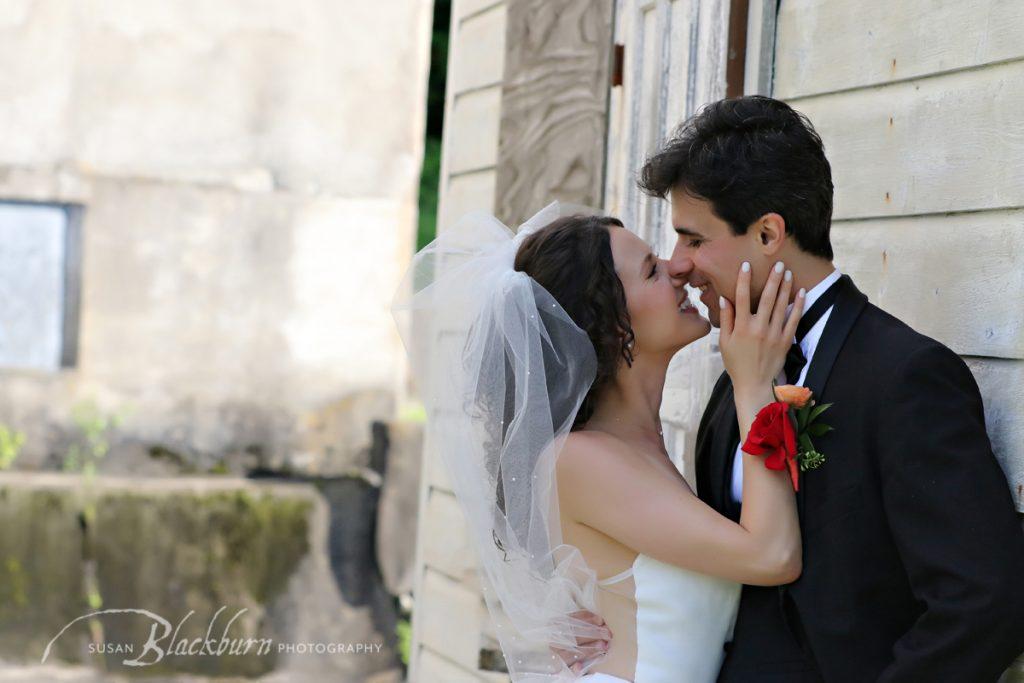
[(683, 620)]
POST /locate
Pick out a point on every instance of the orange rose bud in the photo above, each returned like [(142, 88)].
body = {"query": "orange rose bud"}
[(798, 397)]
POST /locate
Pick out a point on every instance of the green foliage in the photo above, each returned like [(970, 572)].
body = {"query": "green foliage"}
[(431, 173), (219, 467), (404, 632), (11, 442), (811, 460), (14, 586), (413, 412), (438, 67), (429, 184), (93, 440), (818, 410), (808, 457), (819, 429)]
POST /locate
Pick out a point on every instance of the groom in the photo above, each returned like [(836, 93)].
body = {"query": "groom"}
[(913, 566)]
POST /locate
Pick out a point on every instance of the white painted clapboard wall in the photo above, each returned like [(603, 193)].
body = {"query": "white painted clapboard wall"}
[(919, 106), (449, 618)]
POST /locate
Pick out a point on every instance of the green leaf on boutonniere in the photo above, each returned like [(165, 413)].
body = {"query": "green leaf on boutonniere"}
[(801, 418), (819, 429), (811, 460), (805, 442), (818, 411)]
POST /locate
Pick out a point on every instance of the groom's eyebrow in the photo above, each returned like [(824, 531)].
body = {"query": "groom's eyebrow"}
[(688, 232)]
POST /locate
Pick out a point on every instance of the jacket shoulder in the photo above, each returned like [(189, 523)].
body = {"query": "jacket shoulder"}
[(894, 343)]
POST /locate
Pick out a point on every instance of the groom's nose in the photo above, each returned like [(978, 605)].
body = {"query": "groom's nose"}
[(680, 266)]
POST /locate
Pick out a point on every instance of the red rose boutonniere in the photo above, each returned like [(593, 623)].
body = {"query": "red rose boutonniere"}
[(782, 432)]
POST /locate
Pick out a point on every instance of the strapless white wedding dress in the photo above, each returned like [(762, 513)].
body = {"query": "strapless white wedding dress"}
[(683, 620)]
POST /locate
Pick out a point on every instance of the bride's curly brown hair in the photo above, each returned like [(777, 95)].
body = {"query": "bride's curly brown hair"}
[(571, 258)]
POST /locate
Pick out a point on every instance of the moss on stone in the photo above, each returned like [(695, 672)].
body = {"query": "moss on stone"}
[(167, 552)]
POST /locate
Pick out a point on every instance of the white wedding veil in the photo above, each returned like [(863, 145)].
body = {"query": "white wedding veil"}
[(502, 371)]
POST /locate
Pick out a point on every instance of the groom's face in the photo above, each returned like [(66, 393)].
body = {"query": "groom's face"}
[(707, 254)]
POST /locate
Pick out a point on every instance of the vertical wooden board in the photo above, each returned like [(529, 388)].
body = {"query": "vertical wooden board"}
[(644, 131), (615, 175), (698, 36), (957, 278), (554, 106), (949, 143), (475, 116), (713, 34), (1002, 389), (825, 46), (619, 174), (681, 49), (481, 40), (760, 59)]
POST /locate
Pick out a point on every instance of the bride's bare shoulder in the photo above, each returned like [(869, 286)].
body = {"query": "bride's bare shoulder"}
[(596, 469), (593, 452)]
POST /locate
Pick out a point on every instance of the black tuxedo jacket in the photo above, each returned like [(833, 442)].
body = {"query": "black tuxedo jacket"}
[(913, 554)]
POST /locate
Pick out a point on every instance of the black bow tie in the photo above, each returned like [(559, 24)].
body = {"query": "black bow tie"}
[(795, 362), (795, 359)]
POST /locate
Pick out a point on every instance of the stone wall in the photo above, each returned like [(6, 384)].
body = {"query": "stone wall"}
[(73, 546), (247, 174)]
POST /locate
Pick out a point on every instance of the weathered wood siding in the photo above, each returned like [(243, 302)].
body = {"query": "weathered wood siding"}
[(449, 615), (918, 104)]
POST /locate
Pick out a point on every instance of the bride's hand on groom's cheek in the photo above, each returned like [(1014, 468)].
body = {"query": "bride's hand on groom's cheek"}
[(754, 345), (587, 648)]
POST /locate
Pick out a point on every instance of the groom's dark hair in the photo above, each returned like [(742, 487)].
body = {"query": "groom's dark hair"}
[(749, 156)]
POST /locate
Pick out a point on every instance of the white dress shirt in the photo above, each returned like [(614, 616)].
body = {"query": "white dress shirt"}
[(808, 345)]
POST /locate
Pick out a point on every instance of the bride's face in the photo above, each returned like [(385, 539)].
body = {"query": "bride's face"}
[(662, 317)]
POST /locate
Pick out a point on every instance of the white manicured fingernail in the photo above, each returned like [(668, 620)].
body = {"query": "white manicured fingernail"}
[(779, 266), (721, 302), (746, 267), (802, 292), (789, 275)]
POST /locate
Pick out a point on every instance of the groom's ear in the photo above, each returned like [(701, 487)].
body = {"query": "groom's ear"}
[(770, 232)]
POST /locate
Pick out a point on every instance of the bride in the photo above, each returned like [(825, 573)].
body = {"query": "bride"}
[(541, 359)]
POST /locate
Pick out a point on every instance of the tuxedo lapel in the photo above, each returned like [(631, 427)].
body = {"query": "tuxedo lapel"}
[(849, 305), (728, 437), (847, 308), (713, 438)]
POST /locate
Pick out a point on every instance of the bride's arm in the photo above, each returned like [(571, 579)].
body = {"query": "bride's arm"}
[(606, 486), (754, 348)]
